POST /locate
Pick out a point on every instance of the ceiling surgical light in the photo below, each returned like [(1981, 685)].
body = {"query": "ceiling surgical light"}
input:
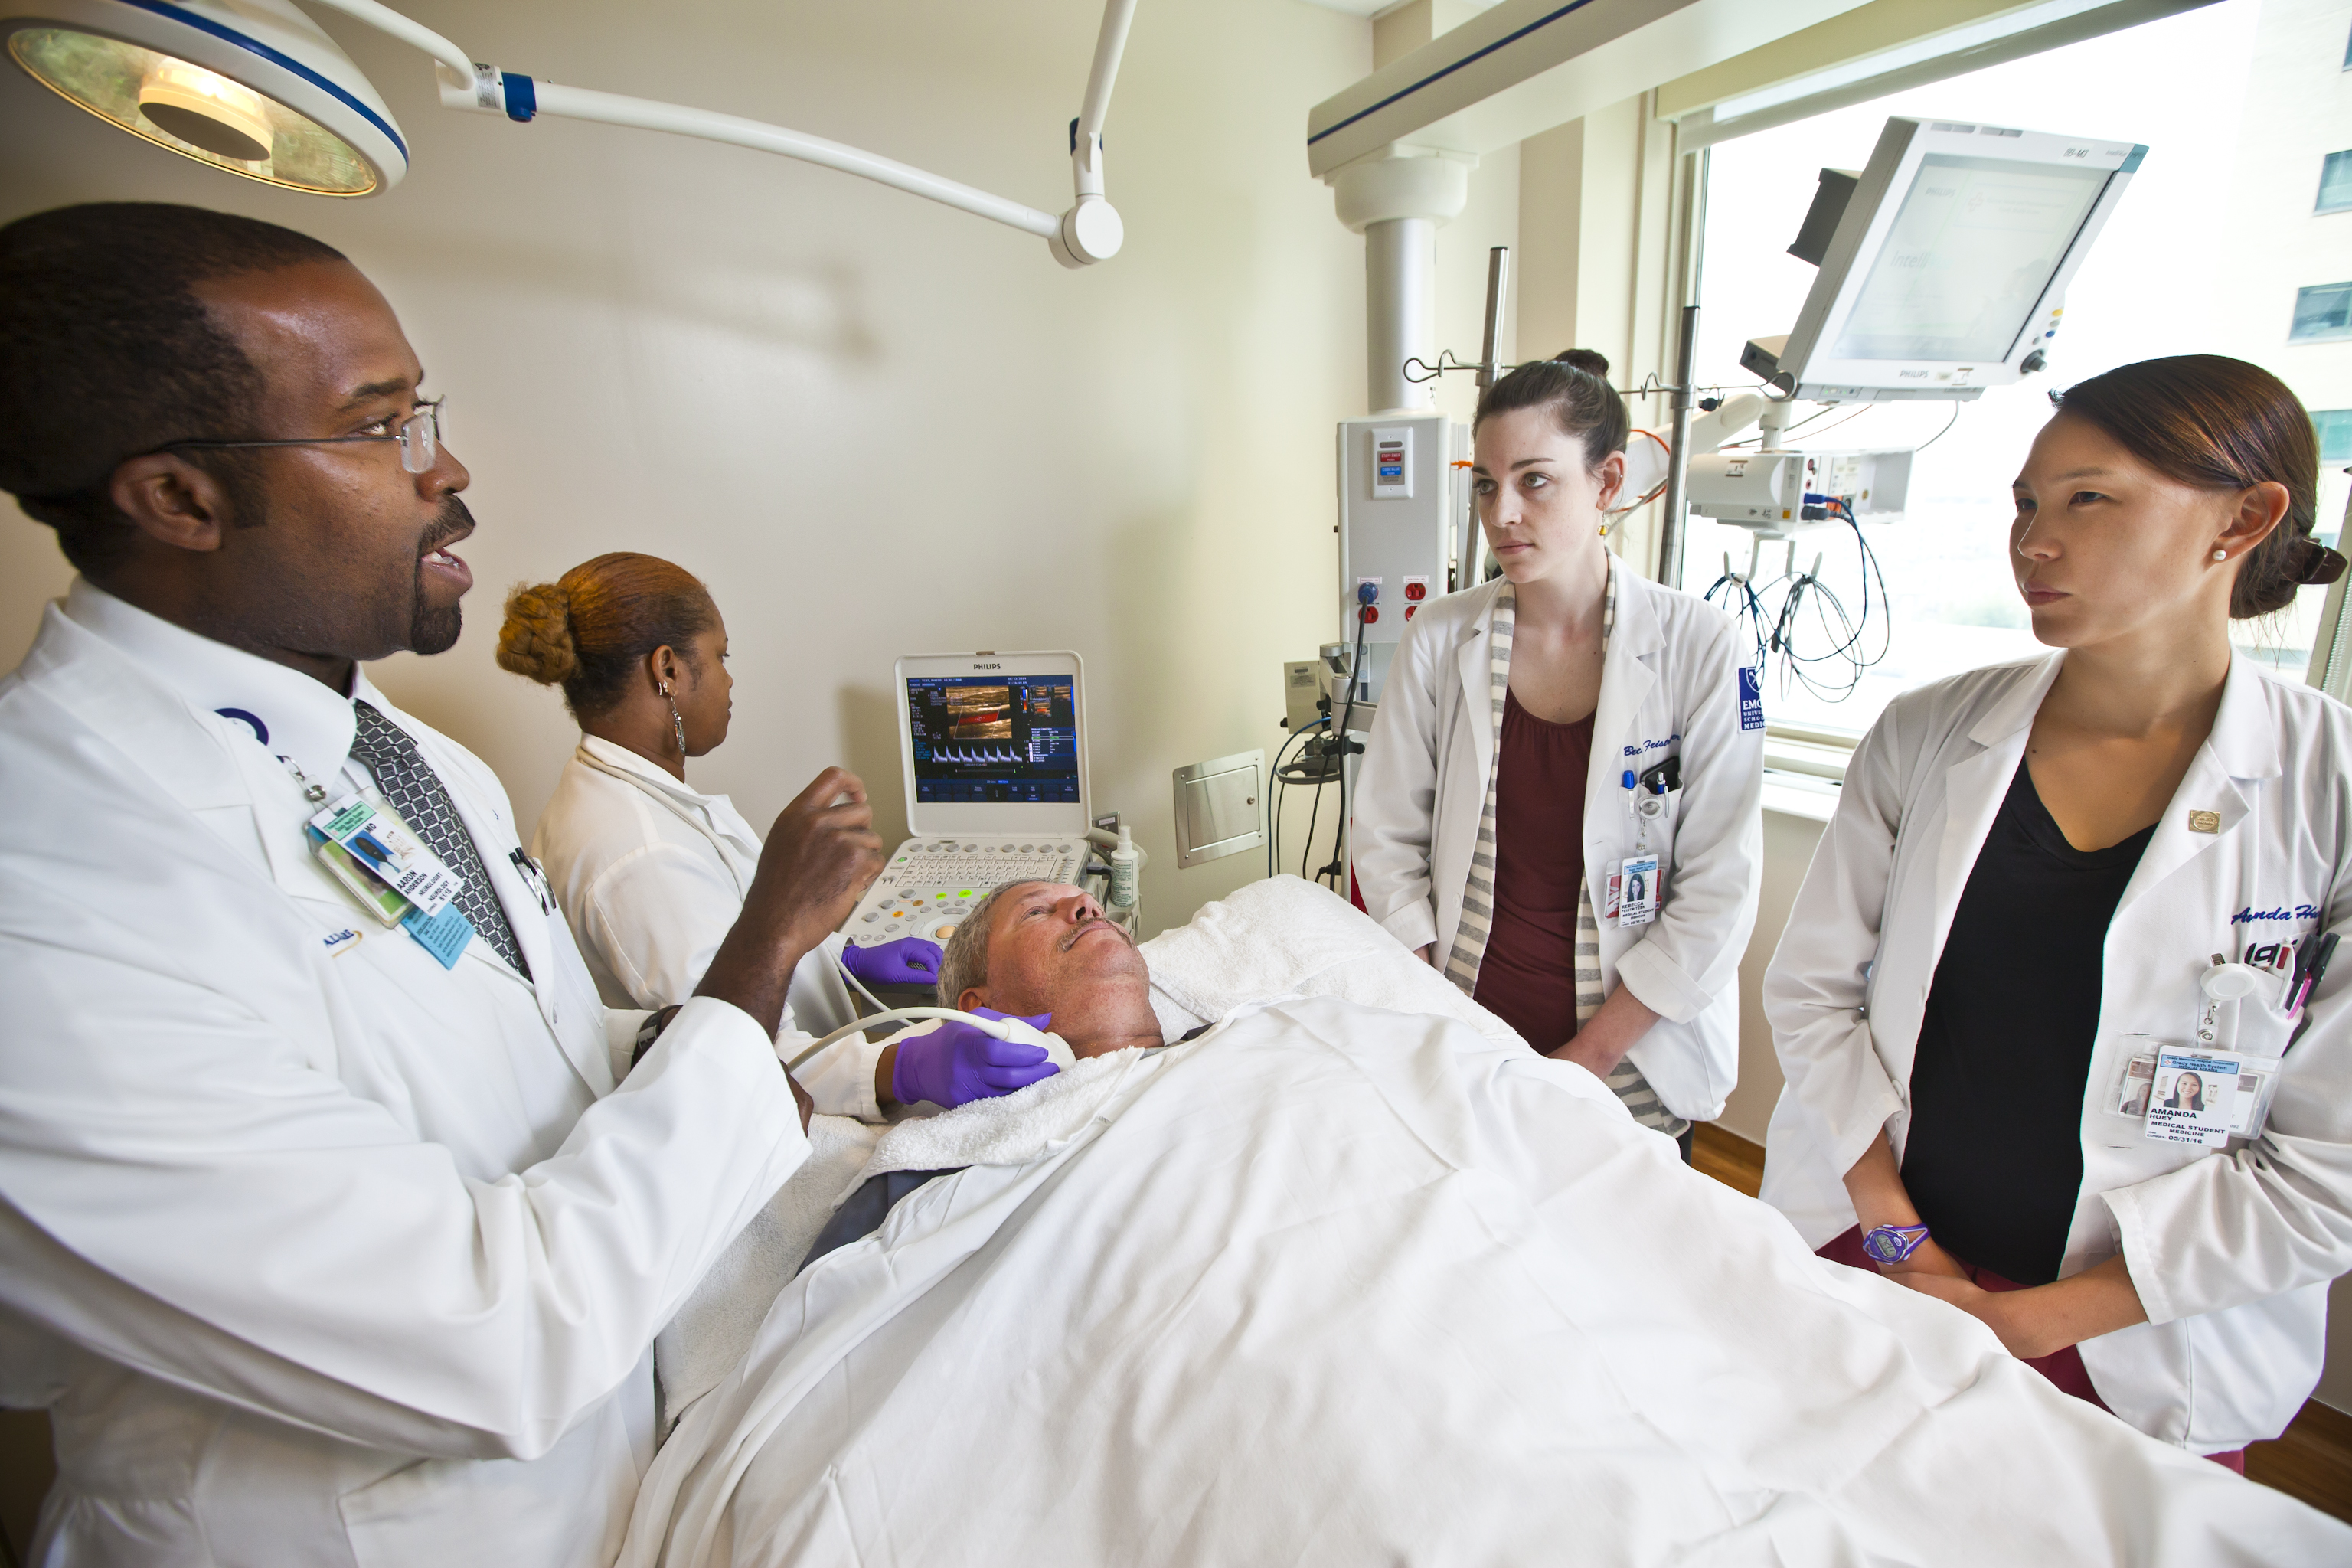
[(208, 111), (255, 88)]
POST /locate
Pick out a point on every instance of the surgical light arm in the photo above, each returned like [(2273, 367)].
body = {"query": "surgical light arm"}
[(1091, 231)]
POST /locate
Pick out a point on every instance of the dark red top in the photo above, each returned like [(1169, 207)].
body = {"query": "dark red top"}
[(1528, 975)]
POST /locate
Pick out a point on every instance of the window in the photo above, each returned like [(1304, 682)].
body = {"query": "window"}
[(2323, 314), (2335, 428), (2158, 281), (2334, 184)]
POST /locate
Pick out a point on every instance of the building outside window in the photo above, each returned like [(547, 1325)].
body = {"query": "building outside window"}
[(2323, 314), (2236, 102), (2335, 427), (2334, 184)]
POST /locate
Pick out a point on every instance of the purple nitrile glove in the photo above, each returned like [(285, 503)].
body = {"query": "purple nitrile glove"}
[(909, 961), (957, 1063)]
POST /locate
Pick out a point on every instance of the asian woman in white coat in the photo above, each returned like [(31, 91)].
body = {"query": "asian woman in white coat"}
[(1559, 804), (2040, 878), (651, 872)]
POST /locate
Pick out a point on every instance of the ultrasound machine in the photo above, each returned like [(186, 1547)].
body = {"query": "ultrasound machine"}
[(993, 747)]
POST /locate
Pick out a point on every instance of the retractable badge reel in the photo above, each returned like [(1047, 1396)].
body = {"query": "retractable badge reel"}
[(1634, 890)]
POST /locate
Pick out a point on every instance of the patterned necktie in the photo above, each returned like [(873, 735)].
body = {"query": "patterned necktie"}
[(413, 789)]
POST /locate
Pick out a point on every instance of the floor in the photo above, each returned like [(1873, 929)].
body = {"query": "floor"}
[(2311, 1460)]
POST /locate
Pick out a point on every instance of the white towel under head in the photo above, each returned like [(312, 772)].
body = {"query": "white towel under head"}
[(1288, 936)]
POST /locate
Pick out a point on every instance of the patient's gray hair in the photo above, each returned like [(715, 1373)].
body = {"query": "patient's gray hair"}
[(965, 965)]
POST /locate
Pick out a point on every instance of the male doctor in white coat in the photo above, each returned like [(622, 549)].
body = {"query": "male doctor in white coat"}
[(319, 1249)]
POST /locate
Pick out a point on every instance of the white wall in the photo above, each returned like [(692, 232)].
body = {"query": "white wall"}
[(874, 426)]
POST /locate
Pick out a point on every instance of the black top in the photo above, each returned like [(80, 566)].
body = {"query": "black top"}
[(1994, 1160)]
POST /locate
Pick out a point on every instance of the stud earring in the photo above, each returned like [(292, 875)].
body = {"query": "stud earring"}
[(677, 720), (2220, 555)]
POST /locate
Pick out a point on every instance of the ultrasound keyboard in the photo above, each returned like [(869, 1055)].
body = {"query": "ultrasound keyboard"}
[(929, 882)]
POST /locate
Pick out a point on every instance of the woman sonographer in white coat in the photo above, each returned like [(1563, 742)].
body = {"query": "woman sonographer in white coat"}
[(1581, 732), (651, 872), (2051, 884)]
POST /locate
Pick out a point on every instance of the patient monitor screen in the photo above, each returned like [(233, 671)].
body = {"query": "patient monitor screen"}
[(1973, 246), (983, 739)]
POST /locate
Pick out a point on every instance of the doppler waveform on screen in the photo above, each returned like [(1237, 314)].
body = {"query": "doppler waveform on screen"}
[(993, 740)]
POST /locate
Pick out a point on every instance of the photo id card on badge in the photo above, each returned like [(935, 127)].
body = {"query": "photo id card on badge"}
[(2254, 1080), (2193, 1097), (2133, 1087), (1636, 883), (386, 906), (373, 835)]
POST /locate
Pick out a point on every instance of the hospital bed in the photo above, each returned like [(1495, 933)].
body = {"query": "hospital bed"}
[(1357, 1277)]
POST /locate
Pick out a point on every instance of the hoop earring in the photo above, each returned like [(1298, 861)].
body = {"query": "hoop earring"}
[(677, 720)]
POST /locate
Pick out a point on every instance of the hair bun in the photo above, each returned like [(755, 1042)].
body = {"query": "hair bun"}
[(1585, 360), (536, 640), (2320, 564)]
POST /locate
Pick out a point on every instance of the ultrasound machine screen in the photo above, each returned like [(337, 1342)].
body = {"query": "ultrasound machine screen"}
[(1012, 738)]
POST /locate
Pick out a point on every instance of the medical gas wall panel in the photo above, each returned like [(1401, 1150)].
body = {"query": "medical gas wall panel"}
[(1399, 501)]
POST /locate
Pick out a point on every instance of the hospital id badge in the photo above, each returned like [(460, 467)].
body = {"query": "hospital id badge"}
[(2193, 1096), (373, 835), (1637, 889), (373, 896), (2133, 1085)]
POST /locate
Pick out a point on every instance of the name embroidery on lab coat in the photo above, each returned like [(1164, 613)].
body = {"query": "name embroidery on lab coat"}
[(2249, 915)]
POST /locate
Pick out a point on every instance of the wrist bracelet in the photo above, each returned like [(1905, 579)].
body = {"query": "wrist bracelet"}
[(650, 1030), (1894, 1242)]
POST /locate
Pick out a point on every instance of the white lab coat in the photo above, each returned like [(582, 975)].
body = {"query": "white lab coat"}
[(2230, 1250), (316, 1251), (1670, 686), (651, 874)]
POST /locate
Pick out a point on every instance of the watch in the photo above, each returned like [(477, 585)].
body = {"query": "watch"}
[(650, 1030), (1894, 1242)]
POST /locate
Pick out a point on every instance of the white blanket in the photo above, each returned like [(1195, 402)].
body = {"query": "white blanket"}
[(1341, 1285), (1280, 936), (715, 1325)]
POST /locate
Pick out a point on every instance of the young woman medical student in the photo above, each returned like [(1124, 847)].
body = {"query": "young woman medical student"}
[(650, 873), (1559, 803), (2041, 883)]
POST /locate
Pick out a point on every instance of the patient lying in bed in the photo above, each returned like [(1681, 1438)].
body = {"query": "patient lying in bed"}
[(1348, 1274)]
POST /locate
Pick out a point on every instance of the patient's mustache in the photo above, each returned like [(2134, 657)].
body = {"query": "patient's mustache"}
[(1088, 924)]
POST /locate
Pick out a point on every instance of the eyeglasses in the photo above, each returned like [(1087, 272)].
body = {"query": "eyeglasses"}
[(419, 436)]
